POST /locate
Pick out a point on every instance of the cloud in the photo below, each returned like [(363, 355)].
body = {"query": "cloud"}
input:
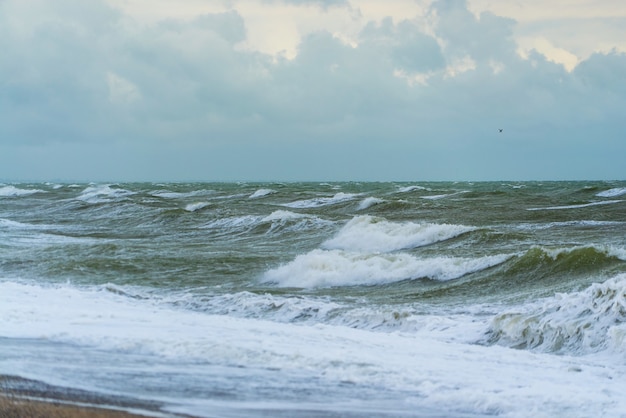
[(409, 48), (435, 86), (322, 3), (604, 72)]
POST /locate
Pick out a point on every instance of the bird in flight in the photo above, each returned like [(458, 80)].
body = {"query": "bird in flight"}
[(500, 130)]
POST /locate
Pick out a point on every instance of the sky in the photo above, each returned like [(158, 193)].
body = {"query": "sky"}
[(312, 90)]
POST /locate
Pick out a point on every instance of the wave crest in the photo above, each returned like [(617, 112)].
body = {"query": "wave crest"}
[(103, 193), (576, 323), (618, 191), (321, 201), (12, 191), (373, 234), (334, 268)]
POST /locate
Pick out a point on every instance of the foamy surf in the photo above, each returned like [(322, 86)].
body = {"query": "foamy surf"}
[(372, 234), (369, 202), (12, 191), (424, 373), (330, 268), (463, 306), (103, 193), (193, 207), (582, 322), (618, 191), (578, 206), (321, 201), (261, 193)]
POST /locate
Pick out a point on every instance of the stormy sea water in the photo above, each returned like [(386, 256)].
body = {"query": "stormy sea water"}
[(321, 299)]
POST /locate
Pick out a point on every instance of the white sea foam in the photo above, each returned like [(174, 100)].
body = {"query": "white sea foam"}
[(411, 189), (178, 195), (291, 221), (373, 234), (369, 202), (9, 224), (103, 193), (236, 222), (12, 191), (322, 201), (251, 305), (442, 196), (583, 205), (575, 323), (581, 223), (618, 191), (261, 193), (284, 215), (461, 379), (192, 207), (609, 250), (331, 268)]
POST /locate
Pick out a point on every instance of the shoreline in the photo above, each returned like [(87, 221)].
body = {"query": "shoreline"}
[(21, 397)]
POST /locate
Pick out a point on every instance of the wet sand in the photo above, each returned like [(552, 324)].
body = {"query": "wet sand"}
[(25, 398)]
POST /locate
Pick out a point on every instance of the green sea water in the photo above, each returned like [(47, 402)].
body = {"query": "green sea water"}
[(536, 266)]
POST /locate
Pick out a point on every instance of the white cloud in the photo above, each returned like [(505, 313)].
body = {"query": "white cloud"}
[(566, 31), (553, 53)]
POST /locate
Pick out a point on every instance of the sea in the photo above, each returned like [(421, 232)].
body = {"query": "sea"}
[(346, 299)]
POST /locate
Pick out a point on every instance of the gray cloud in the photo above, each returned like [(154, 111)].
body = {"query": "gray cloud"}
[(322, 3), (82, 73)]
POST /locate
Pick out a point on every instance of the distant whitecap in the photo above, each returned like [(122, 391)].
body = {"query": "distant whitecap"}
[(261, 193), (12, 191), (619, 191)]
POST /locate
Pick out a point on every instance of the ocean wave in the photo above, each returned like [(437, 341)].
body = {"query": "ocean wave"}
[(374, 234), (266, 306), (407, 189), (334, 268), (140, 336), (582, 205), (442, 196), (574, 323), (572, 260), (12, 191), (233, 223), (580, 223), (261, 193), (322, 201), (618, 191), (369, 202), (103, 193), (9, 224), (193, 207), (165, 194), (311, 310), (280, 220)]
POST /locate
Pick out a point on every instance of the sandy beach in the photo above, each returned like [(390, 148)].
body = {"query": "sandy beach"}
[(26, 398)]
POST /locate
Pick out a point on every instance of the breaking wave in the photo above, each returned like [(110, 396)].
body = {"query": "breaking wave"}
[(618, 191), (261, 193), (103, 193), (369, 202), (321, 201), (539, 261), (280, 220), (574, 323), (369, 233), (582, 205), (12, 191), (333, 268)]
